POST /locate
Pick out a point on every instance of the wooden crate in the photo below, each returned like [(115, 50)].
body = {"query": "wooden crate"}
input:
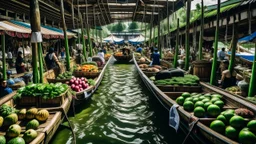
[(55, 102), (28, 101)]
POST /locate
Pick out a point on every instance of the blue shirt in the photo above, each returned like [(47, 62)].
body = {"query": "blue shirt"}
[(5, 91), (221, 55), (139, 50), (156, 58)]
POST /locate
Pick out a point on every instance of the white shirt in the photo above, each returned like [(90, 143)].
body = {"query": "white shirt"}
[(101, 55), (9, 55)]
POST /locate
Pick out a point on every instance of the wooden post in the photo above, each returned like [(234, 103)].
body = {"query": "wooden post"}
[(36, 36), (214, 64), (3, 57), (158, 35), (41, 66), (151, 28), (233, 48), (65, 36), (168, 26), (89, 40), (201, 32), (175, 62), (252, 85), (73, 14), (187, 35)]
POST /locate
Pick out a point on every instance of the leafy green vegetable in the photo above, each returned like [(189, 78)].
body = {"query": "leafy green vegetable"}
[(91, 82), (47, 91), (187, 80), (5, 110)]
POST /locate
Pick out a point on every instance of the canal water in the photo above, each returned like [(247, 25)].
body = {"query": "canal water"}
[(121, 111)]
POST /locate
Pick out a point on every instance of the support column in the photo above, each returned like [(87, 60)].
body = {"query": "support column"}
[(187, 36), (36, 36), (65, 36), (252, 85), (175, 62), (41, 66), (3, 56), (201, 32), (214, 64)]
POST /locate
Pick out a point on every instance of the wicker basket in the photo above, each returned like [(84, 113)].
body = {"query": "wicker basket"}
[(86, 74)]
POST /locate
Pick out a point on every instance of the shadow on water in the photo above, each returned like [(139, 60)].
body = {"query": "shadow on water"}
[(122, 110)]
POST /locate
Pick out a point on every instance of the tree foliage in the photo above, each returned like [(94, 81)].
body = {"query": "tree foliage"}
[(133, 26)]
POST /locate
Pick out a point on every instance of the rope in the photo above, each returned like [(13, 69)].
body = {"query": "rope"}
[(191, 129)]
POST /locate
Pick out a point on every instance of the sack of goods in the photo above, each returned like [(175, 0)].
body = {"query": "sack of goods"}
[(166, 74)]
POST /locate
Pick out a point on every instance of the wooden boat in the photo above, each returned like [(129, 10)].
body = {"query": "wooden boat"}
[(123, 58), (201, 132), (47, 129), (87, 93)]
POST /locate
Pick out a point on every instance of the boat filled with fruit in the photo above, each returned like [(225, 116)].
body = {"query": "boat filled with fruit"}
[(123, 56), (33, 113), (215, 115)]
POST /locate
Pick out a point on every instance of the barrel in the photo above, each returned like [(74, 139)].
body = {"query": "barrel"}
[(202, 69)]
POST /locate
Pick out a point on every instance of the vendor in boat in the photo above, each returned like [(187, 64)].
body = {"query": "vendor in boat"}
[(155, 57), (101, 55), (79, 57), (229, 77), (51, 59), (20, 66), (4, 89), (221, 54), (139, 49)]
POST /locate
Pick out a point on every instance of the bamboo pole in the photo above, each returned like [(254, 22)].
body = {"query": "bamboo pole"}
[(41, 66), (73, 14), (175, 62), (65, 36), (214, 64), (201, 32), (252, 90), (158, 35), (187, 35), (233, 48), (36, 35), (168, 25), (151, 28), (3, 56)]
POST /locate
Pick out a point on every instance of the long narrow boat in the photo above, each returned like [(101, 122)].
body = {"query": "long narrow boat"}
[(202, 132), (47, 129), (87, 93)]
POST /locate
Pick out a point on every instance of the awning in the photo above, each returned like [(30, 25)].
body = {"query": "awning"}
[(138, 40), (47, 32), (14, 30), (113, 39), (248, 38)]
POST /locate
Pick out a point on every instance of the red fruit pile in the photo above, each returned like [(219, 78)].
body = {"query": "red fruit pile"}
[(78, 84)]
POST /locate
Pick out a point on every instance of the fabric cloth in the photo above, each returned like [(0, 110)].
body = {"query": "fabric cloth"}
[(5, 91), (101, 55), (156, 58), (139, 50)]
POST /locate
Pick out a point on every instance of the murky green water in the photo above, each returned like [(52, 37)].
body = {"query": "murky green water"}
[(121, 111)]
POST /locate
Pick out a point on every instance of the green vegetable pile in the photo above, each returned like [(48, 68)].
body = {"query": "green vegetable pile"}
[(91, 82), (187, 80), (65, 75), (6, 110), (47, 91)]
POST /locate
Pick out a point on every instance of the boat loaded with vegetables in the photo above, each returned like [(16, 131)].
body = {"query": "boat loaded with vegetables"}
[(33, 113), (215, 115)]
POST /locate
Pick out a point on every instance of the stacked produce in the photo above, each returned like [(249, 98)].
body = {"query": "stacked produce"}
[(14, 81), (44, 90), (107, 56), (202, 105), (88, 68), (154, 68), (118, 54), (252, 99), (9, 118), (80, 84), (233, 89), (137, 54), (187, 80), (65, 75), (142, 60), (236, 125)]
